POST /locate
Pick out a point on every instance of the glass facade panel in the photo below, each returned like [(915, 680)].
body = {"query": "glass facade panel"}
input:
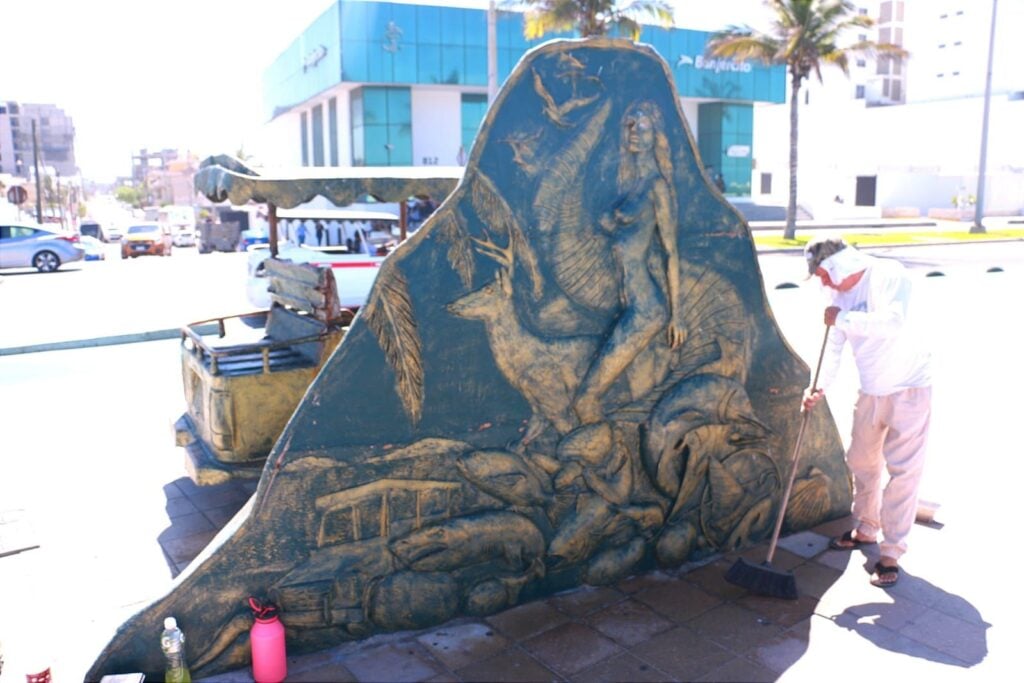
[(476, 65), (453, 64), (381, 65), (375, 106), (428, 24), (376, 141), (453, 30), (725, 141), (405, 64), (428, 67), (354, 66), (378, 15), (404, 17), (353, 21), (476, 29), (399, 105), (384, 137), (400, 141)]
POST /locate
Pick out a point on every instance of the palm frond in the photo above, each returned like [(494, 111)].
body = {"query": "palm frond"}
[(452, 227), (390, 317)]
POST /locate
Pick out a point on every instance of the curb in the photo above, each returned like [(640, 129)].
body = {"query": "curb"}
[(784, 250), (775, 225), (113, 340)]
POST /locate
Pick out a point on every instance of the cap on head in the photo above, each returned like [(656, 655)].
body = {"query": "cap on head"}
[(819, 249)]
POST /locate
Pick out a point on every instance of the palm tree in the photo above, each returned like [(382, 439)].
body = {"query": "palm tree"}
[(589, 17), (805, 35)]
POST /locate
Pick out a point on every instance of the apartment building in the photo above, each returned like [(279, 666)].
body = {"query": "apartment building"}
[(55, 139)]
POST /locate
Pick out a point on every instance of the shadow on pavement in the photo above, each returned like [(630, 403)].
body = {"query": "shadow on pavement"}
[(921, 621), (197, 513)]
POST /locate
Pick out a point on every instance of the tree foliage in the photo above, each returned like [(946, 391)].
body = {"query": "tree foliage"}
[(129, 195), (589, 17), (805, 35)]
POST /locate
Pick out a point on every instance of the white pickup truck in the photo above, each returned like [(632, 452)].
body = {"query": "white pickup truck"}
[(354, 273)]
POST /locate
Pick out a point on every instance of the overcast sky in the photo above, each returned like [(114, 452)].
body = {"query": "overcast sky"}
[(185, 74)]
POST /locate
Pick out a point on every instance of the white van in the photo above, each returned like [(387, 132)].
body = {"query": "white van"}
[(182, 221)]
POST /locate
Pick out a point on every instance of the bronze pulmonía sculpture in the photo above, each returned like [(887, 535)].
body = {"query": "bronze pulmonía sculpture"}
[(567, 375)]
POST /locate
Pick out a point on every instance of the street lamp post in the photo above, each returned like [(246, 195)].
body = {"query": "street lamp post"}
[(979, 206)]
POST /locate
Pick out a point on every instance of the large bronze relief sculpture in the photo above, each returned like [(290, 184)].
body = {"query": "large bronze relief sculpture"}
[(569, 375)]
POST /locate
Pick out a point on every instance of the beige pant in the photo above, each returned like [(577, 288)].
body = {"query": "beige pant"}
[(889, 433)]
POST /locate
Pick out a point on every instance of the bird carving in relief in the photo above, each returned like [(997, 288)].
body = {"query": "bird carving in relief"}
[(554, 111)]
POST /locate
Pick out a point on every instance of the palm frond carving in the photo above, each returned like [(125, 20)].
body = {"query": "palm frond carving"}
[(452, 225), (389, 315), (497, 215)]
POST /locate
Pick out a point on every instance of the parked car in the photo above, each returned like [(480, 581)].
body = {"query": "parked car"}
[(94, 249), (91, 229), (184, 236), (253, 237), (146, 238), (112, 233), (31, 246)]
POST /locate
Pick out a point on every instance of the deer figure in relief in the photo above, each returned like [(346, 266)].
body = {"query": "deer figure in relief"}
[(546, 371)]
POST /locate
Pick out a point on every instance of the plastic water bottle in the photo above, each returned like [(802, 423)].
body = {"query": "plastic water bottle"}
[(172, 642), (269, 661)]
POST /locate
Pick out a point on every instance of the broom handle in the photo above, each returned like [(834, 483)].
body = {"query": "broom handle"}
[(796, 455)]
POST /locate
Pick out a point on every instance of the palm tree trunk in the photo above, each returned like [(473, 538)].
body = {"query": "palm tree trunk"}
[(794, 108)]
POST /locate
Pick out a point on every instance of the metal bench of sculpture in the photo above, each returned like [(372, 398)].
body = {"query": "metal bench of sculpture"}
[(242, 383)]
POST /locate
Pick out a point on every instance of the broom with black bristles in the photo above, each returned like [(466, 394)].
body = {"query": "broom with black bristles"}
[(763, 579)]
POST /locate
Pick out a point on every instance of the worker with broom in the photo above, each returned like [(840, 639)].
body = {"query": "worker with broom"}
[(870, 310)]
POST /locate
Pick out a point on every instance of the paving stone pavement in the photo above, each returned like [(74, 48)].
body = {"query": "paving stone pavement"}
[(687, 624)]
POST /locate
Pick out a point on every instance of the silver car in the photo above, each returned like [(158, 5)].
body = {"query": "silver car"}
[(31, 246)]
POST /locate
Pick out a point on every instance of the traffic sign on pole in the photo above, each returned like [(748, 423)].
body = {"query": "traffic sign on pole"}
[(17, 195)]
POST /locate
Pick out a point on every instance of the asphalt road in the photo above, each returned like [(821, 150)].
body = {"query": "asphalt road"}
[(97, 299), (93, 299)]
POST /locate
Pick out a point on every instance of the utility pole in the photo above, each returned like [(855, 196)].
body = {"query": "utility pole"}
[(979, 206), (60, 202), (492, 53), (39, 184)]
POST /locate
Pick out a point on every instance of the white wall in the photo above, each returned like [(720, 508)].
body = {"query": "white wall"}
[(436, 126), (921, 153), (690, 111)]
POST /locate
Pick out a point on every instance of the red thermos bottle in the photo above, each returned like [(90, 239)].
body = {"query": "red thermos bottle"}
[(269, 661)]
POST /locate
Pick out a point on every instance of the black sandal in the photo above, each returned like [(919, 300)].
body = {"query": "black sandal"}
[(882, 572), (847, 542)]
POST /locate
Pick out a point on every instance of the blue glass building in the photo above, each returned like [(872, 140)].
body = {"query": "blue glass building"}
[(394, 83)]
